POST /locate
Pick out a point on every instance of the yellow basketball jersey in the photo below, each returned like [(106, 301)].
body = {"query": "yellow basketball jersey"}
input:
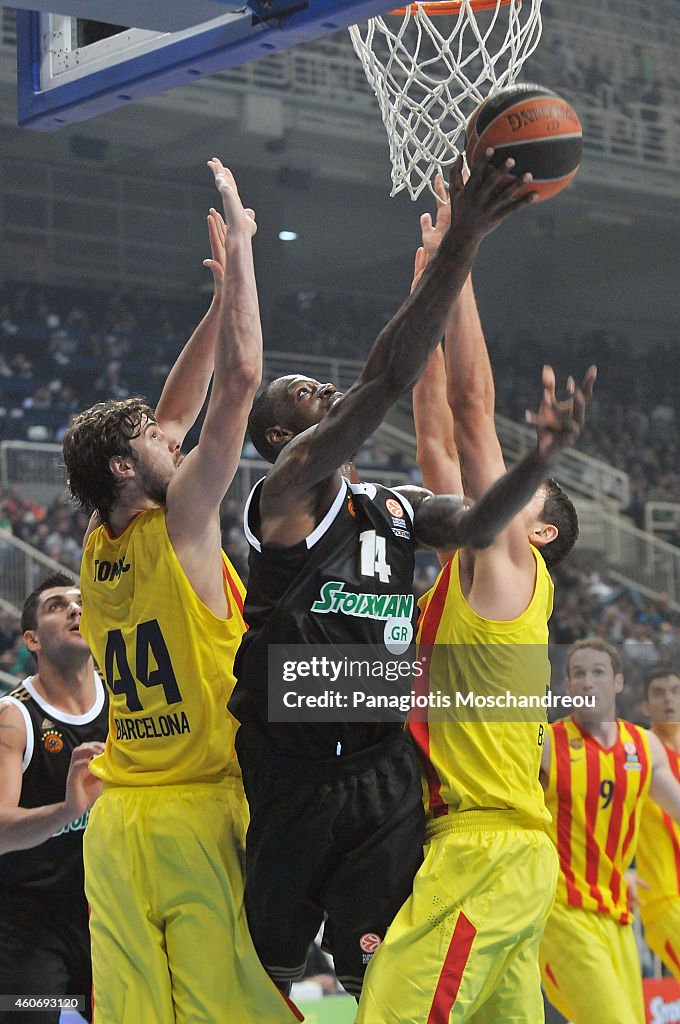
[(167, 660), (595, 796), (658, 852), (488, 760)]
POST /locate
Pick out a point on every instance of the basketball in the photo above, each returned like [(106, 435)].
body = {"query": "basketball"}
[(534, 126)]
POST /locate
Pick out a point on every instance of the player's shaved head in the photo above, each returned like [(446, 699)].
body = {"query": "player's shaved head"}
[(269, 408), (285, 408)]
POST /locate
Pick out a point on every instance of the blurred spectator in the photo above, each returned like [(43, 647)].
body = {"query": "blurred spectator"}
[(112, 384), (567, 71)]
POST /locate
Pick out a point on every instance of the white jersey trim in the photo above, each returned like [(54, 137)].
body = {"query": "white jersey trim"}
[(370, 490), (64, 716), (250, 536), (28, 750), (318, 531)]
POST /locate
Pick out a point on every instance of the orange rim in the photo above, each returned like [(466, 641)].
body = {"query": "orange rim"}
[(452, 6)]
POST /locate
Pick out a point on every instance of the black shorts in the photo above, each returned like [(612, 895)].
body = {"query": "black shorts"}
[(342, 838), (44, 950)]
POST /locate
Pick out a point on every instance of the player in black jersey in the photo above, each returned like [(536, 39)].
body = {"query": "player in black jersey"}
[(336, 819), (51, 726)]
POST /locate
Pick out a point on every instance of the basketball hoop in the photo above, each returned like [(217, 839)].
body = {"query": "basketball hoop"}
[(430, 64)]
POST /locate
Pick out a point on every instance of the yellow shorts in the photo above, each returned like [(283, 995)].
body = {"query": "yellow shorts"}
[(164, 880), (590, 968), (464, 946), (662, 933)]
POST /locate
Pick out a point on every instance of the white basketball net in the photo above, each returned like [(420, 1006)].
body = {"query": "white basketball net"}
[(430, 72)]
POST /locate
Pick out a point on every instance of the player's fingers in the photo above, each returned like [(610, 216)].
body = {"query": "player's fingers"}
[(425, 223), (87, 749), (589, 381), (214, 236), (548, 376), (219, 223), (498, 178), (216, 267), (224, 179), (458, 176), (507, 185), (512, 203), (218, 226), (481, 171), (578, 412), (422, 259), (83, 757), (440, 191)]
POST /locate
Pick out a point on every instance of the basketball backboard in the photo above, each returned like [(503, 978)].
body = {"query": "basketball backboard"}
[(61, 81)]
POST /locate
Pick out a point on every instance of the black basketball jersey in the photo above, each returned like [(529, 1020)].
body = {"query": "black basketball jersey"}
[(348, 582), (55, 866)]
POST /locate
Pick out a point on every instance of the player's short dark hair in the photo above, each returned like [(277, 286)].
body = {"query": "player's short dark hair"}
[(95, 436), (559, 511), (263, 415), (595, 643), (659, 672), (29, 612)]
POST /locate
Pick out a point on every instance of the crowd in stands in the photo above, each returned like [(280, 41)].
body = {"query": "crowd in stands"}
[(61, 351), (647, 632), (59, 354), (632, 422), (620, 74)]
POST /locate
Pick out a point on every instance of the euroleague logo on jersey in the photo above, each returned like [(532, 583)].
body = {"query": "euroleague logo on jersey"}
[(53, 742), (632, 760), (394, 508), (368, 944)]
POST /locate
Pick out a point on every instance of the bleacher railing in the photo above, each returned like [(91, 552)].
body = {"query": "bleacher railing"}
[(581, 474), (632, 555), (662, 518), (21, 569), (37, 467)]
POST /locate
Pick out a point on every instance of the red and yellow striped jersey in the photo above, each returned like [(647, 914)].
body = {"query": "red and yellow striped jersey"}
[(487, 761), (595, 796), (658, 853)]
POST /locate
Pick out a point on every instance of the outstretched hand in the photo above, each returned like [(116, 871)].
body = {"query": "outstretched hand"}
[(236, 218), (558, 424), (432, 233), (487, 198)]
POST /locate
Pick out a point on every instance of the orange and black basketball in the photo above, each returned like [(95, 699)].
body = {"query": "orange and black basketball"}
[(534, 126)]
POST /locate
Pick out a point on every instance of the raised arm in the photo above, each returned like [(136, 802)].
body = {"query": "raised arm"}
[(443, 521), (436, 451), (403, 347), (187, 384), (469, 381), (186, 387), (198, 487)]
